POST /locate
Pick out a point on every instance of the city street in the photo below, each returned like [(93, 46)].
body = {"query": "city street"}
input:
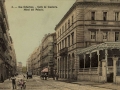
[(37, 84)]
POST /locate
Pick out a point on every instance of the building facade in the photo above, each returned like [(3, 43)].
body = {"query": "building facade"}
[(48, 53), (101, 25), (44, 56), (7, 52), (86, 23), (19, 67)]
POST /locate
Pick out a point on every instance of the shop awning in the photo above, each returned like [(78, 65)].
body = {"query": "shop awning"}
[(45, 70)]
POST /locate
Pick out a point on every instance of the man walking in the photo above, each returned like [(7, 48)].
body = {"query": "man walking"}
[(13, 82)]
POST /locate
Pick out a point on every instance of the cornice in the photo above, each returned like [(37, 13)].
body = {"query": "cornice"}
[(83, 3)]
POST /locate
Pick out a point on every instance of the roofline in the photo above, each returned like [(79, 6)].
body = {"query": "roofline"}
[(68, 12)]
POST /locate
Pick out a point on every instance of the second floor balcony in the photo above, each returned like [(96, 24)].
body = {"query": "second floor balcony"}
[(64, 51)]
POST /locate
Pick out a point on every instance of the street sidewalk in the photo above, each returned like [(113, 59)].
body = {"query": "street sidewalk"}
[(111, 86), (6, 85)]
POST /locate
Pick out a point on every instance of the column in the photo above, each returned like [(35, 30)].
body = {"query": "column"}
[(98, 62), (64, 66), (76, 65), (90, 64), (106, 54), (84, 59), (115, 59), (104, 70), (60, 68), (71, 67), (90, 59), (67, 68)]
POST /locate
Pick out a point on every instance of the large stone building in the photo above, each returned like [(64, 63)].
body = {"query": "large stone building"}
[(7, 55), (87, 23), (44, 57), (48, 54)]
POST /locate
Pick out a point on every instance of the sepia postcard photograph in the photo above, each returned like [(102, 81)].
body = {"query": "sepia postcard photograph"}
[(59, 44)]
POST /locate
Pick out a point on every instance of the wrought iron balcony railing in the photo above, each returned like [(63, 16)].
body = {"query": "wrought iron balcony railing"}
[(64, 51)]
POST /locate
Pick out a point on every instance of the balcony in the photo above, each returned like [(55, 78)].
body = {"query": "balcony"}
[(93, 22), (1, 17), (100, 22), (3, 23), (64, 51), (2, 42)]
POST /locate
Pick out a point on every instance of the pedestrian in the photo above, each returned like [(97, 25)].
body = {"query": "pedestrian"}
[(27, 75), (45, 76), (57, 76), (53, 76), (21, 84), (23, 76), (9, 77), (13, 82), (2, 78)]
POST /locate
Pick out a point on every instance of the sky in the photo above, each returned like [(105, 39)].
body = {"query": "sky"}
[(28, 27)]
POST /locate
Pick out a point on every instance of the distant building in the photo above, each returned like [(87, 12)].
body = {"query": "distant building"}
[(19, 67), (44, 57)]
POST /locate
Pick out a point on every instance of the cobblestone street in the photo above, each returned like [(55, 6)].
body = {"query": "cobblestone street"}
[(37, 84)]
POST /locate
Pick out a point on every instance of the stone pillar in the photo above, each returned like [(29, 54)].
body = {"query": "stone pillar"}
[(57, 65), (60, 68), (76, 65), (104, 70), (90, 59), (84, 59), (106, 54), (64, 66), (67, 68), (98, 62), (115, 59)]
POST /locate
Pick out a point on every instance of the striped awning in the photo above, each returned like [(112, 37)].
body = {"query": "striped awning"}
[(45, 70)]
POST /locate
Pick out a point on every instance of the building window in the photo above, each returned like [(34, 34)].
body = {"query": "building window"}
[(65, 26), (58, 34), (92, 15), (60, 31), (72, 19), (65, 42), (104, 16), (93, 34), (72, 37), (116, 16), (62, 43), (62, 28), (58, 47), (68, 23), (105, 35), (116, 36), (69, 40)]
